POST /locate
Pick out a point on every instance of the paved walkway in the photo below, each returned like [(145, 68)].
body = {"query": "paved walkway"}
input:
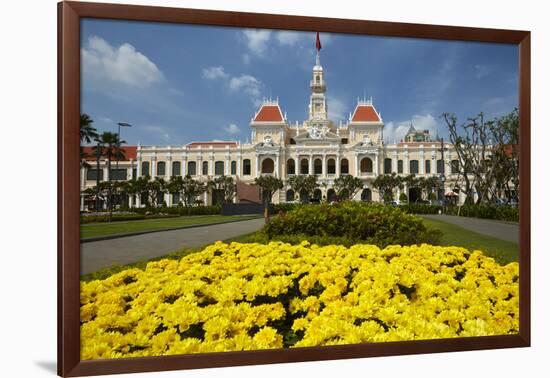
[(105, 253), (508, 231)]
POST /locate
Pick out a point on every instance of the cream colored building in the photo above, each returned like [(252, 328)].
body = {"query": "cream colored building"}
[(281, 148)]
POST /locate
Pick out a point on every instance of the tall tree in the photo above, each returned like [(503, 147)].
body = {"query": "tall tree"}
[(386, 184), (107, 144), (88, 133), (303, 185), (191, 189), (226, 186), (347, 186)]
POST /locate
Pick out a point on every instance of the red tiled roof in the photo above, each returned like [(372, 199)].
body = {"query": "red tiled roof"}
[(212, 143), (130, 152), (365, 113), (269, 113)]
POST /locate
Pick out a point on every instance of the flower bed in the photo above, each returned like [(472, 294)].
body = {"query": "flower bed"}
[(232, 297)]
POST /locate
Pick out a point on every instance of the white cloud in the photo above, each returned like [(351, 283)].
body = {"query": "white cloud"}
[(246, 59), (395, 131), (232, 129), (212, 73), (256, 40), (288, 38), (337, 109), (122, 64), (247, 84)]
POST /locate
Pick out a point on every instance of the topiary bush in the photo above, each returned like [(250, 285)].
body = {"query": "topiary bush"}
[(350, 223)]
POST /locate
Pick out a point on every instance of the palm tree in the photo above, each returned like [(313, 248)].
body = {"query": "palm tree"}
[(108, 143), (87, 134), (87, 131)]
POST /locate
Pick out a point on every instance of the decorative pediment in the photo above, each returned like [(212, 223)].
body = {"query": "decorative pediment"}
[(267, 147), (308, 137)]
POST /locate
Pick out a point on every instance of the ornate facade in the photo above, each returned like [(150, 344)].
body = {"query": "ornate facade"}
[(278, 147)]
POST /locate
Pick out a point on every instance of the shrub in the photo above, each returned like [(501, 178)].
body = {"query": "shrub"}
[(501, 212), (350, 223), (403, 198)]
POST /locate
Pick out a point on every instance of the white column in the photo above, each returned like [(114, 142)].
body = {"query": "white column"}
[(81, 203), (139, 167), (211, 166), (310, 168), (394, 162), (421, 163), (106, 171), (277, 166), (183, 169), (338, 165), (324, 165), (82, 178), (168, 170), (239, 164), (131, 175), (153, 167), (357, 172), (376, 165), (406, 164)]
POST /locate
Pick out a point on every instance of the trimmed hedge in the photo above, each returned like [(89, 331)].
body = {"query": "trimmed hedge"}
[(181, 210), (349, 223), (501, 212), (118, 218)]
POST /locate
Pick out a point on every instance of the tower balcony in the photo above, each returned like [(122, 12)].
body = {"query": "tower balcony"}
[(319, 86)]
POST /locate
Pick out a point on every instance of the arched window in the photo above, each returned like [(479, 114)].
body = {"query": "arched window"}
[(145, 168), (233, 167), (247, 169), (413, 167), (205, 168), (317, 166), (192, 168), (366, 165), (455, 167), (317, 79), (331, 195), (290, 167), (161, 168), (399, 166), (387, 165), (176, 168), (331, 166), (304, 167), (268, 166), (344, 167), (289, 195), (366, 195), (219, 168), (317, 194), (428, 167)]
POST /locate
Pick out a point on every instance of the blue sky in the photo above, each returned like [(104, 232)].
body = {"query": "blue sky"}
[(183, 83)]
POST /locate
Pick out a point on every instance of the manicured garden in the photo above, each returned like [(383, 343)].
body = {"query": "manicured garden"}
[(316, 275), (232, 297), (99, 229)]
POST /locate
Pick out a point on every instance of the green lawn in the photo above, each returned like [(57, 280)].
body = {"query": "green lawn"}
[(501, 250), (91, 230)]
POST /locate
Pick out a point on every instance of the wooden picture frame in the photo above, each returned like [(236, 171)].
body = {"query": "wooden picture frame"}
[(69, 16)]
